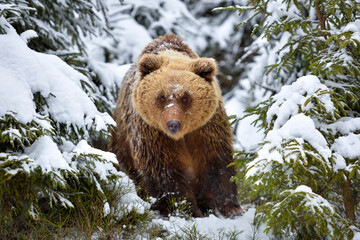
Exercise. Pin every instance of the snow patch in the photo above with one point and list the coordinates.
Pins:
(291, 97)
(303, 188)
(27, 35)
(353, 27)
(130, 200)
(347, 146)
(212, 226)
(344, 125)
(102, 168)
(312, 200)
(46, 155)
(303, 127)
(169, 105)
(106, 209)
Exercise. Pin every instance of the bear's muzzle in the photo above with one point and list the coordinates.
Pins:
(173, 121)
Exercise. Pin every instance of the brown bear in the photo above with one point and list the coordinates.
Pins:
(172, 135)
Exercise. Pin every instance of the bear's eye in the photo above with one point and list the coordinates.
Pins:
(186, 101)
(162, 99)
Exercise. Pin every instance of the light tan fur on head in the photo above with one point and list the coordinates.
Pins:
(174, 87)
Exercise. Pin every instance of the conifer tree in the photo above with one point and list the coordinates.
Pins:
(59, 24)
(48, 170)
(307, 168)
(63, 28)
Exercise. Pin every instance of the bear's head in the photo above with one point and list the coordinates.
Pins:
(175, 93)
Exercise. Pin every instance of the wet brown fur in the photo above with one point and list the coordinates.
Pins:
(193, 163)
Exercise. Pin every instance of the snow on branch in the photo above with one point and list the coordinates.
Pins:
(26, 72)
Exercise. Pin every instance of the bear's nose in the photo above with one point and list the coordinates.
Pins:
(173, 126)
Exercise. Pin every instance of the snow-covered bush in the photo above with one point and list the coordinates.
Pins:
(305, 172)
(57, 23)
(64, 28)
(47, 168)
(295, 163)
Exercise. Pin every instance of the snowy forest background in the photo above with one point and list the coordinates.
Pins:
(292, 65)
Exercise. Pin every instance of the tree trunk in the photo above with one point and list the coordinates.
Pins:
(320, 16)
(349, 200)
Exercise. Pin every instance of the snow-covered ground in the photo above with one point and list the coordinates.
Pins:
(215, 228)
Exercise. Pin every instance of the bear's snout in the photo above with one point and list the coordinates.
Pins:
(173, 126)
(173, 121)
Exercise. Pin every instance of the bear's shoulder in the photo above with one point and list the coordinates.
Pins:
(169, 42)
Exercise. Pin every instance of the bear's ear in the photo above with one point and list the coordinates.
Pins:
(205, 68)
(149, 63)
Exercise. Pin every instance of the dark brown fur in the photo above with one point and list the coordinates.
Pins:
(192, 167)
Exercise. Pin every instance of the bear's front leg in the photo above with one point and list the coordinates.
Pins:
(166, 185)
(217, 182)
(214, 154)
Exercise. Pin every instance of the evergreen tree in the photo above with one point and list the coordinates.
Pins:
(57, 23)
(306, 170)
(63, 28)
(49, 174)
